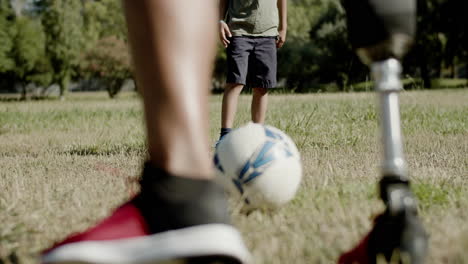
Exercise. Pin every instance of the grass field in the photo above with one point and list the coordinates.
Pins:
(67, 164)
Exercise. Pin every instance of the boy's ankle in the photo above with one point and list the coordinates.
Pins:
(224, 132)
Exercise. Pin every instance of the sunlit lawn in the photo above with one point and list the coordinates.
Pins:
(66, 164)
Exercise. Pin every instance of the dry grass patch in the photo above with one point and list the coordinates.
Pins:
(65, 165)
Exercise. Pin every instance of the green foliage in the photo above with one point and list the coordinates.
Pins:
(337, 60)
(24, 40)
(105, 55)
(325, 57)
(296, 58)
(296, 65)
(6, 37)
(42, 73)
(219, 71)
(302, 14)
(56, 41)
(63, 24)
(109, 61)
(32, 65)
(29, 45)
(441, 40)
(456, 31)
(103, 19)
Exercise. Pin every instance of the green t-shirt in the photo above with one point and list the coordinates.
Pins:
(253, 18)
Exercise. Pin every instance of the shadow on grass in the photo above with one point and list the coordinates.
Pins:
(107, 150)
(15, 99)
(12, 258)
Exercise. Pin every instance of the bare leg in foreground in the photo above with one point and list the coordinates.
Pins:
(180, 214)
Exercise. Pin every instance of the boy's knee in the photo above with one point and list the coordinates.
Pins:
(233, 87)
(260, 91)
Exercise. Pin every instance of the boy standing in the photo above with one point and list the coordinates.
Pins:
(252, 31)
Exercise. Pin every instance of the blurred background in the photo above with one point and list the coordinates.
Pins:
(51, 47)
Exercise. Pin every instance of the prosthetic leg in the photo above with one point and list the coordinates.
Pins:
(381, 31)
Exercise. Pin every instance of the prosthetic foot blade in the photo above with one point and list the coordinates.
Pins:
(398, 235)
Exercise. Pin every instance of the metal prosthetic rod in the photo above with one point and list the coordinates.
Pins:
(390, 27)
(386, 75)
(381, 31)
(394, 186)
(394, 189)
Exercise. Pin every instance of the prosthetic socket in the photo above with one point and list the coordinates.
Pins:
(380, 29)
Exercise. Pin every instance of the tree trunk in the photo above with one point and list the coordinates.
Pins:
(452, 68)
(438, 69)
(64, 82)
(425, 76)
(426, 79)
(24, 92)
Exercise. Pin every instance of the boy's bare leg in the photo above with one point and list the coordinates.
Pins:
(259, 105)
(229, 104)
(230, 101)
(173, 60)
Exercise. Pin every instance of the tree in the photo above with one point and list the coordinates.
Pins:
(109, 61)
(105, 56)
(330, 38)
(296, 59)
(219, 70)
(303, 14)
(441, 39)
(23, 50)
(63, 25)
(455, 28)
(317, 51)
(29, 50)
(328, 53)
(297, 65)
(427, 41)
(6, 37)
(103, 19)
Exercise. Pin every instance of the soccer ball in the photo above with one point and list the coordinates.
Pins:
(259, 163)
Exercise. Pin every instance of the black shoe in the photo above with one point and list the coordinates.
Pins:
(172, 219)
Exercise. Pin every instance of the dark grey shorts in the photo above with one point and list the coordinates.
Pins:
(252, 61)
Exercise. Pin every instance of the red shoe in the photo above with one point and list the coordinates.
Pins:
(397, 236)
(124, 237)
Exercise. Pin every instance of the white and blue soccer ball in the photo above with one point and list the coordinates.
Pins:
(260, 164)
